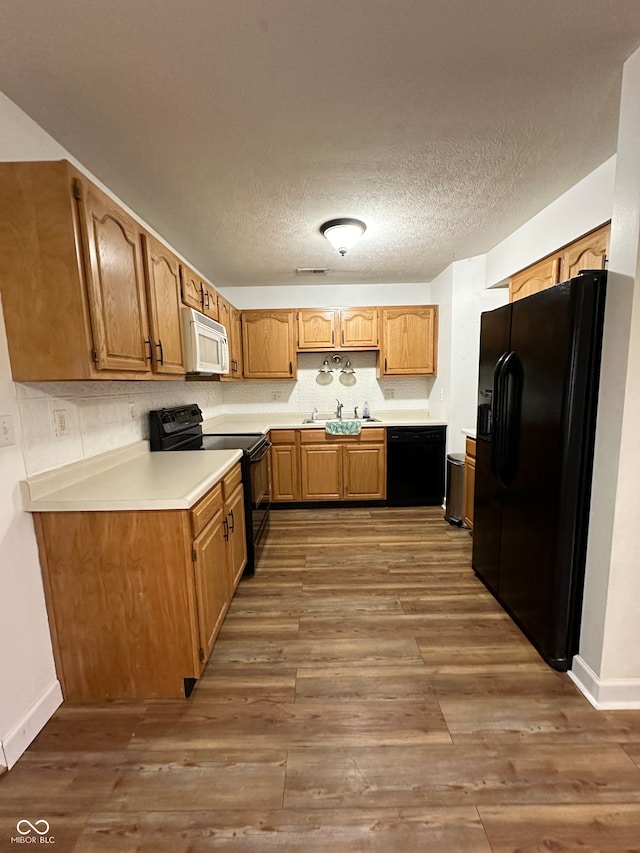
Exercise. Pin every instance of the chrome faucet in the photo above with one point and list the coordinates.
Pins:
(339, 409)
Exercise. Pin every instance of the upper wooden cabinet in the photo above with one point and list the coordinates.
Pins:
(230, 319)
(198, 294)
(409, 344)
(538, 277)
(587, 253)
(162, 271)
(115, 281)
(337, 328)
(81, 300)
(268, 344)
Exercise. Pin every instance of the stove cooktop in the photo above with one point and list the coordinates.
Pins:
(245, 441)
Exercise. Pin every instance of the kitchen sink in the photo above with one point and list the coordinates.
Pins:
(323, 421)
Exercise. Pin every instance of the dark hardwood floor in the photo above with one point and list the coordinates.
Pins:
(366, 693)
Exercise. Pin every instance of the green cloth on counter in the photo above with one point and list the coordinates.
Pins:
(343, 427)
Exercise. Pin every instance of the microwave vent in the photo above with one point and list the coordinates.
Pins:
(312, 270)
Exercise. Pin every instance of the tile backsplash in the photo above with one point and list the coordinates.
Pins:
(64, 422)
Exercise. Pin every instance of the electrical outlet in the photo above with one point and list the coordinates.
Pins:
(132, 411)
(442, 395)
(7, 434)
(60, 422)
(389, 394)
(276, 396)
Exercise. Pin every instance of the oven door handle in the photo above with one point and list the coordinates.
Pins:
(267, 447)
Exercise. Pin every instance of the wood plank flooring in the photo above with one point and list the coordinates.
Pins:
(366, 693)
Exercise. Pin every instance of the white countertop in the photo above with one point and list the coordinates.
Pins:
(294, 420)
(131, 478)
(470, 432)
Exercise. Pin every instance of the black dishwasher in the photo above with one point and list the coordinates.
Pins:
(416, 465)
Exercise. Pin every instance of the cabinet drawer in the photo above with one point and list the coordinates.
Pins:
(320, 436)
(206, 508)
(231, 480)
(471, 447)
(283, 436)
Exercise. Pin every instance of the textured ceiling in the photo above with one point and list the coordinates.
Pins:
(236, 127)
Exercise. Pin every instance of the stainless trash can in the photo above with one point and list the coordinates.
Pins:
(454, 506)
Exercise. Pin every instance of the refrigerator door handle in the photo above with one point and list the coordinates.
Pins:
(498, 418)
(511, 378)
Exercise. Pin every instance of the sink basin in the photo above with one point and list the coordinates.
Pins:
(323, 421)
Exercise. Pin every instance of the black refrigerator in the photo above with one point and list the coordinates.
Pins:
(537, 398)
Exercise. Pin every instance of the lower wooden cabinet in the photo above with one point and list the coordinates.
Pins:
(309, 465)
(285, 467)
(320, 469)
(469, 480)
(136, 598)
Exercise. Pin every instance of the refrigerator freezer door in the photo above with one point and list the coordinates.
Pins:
(541, 334)
(494, 346)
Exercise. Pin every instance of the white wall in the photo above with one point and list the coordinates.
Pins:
(442, 295)
(318, 295)
(608, 667)
(470, 299)
(29, 689)
(582, 208)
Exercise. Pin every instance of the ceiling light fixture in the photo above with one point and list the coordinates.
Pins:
(343, 233)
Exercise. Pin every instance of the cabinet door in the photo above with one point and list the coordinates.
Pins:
(212, 582)
(321, 467)
(236, 537)
(268, 345)
(535, 278)
(469, 489)
(359, 327)
(224, 317)
(409, 341)
(209, 301)
(364, 472)
(587, 253)
(285, 474)
(115, 282)
(163, 282)
(317, 328)
(235, 344)
(190, 288)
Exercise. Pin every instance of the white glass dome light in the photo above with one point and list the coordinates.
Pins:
(343, 233)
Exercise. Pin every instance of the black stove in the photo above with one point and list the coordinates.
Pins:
(230, 441)
(180, 428)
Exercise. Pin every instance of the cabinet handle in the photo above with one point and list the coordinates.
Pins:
(343, 336)
(206, 293)
(159, 346)
(333, 337)
(147, 343)
(233, 522)
(385, 365)
(290, 369)
(226, 528)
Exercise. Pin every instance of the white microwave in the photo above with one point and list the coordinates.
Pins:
(206, 346)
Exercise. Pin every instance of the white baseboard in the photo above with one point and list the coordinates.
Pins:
(26, 730)
(606, 695)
